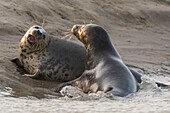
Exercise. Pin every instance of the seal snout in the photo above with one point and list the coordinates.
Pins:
(75, 30)
(35, 33)
(39, 32)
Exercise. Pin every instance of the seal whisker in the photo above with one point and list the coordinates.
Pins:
(70, 37)
(65, 37)
(84, 23)
(91, 21)
(42, 24)
(67, 32)
(68, 29)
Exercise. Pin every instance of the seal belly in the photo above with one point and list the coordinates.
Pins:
(65, 60)
(31, 63)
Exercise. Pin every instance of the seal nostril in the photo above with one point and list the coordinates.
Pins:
(39, 32)
(75, 28)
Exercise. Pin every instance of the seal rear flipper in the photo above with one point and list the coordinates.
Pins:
(19, 66)
(16, 61)
(162, 84)
(136, 75)
(139, 80)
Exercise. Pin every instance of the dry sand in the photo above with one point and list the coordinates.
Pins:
(140, 30)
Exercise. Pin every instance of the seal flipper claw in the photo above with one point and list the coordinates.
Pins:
(35, 76)
(139, 80)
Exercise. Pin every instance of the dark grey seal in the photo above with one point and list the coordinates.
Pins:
(105, 70)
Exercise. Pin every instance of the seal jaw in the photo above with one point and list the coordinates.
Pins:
(31, 39)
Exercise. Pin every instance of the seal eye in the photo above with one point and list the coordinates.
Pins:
(36, 27)
(31, 39)
(43, 36)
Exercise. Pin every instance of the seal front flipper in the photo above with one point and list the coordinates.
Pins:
(35, 76)
(81, 82)
(16, 61)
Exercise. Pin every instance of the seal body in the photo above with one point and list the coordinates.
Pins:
(105, 70)
(50, 58)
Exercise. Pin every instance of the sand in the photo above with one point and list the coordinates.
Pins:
(140, 30)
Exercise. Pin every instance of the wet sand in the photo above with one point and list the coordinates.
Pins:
(139, 30)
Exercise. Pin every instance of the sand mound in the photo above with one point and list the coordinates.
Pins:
(140, 31)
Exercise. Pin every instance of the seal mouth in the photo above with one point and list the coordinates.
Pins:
(76, 30)
(31, 39)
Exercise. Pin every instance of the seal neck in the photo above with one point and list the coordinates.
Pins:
(97, 51)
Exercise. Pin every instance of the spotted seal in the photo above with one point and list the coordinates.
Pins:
(105, 70)
(46, 57)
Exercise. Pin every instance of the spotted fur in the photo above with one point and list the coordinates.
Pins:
(44, 56)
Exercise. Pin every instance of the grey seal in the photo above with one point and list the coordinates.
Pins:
(46, 57)
(105, 70)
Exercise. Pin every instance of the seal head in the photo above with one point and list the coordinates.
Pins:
(95, 40)
(35, 39)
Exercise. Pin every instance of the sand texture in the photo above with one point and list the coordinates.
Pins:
(140, 30)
